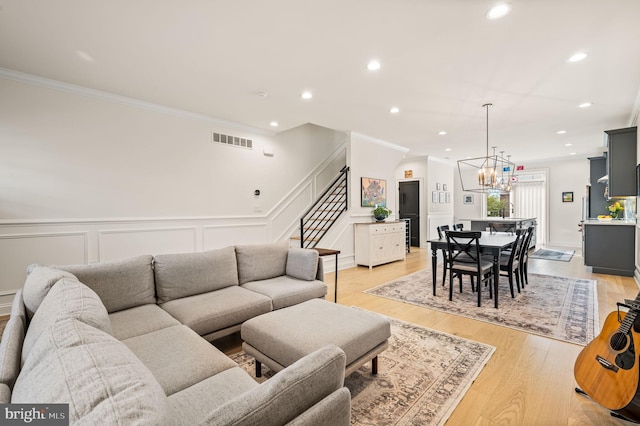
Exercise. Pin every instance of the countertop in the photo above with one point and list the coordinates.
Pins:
(613, 222)
(500, 219)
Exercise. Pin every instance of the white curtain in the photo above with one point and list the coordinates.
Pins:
(530, 200)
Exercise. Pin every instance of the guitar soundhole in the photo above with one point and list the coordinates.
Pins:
(618, 341)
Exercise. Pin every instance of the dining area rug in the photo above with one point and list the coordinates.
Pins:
(551, 254)
(422, 376)
(561, 308)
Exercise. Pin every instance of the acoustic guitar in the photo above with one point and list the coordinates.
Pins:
(607, 368)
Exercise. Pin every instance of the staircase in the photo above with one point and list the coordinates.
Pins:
(321, 216)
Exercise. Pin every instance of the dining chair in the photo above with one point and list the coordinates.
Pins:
(510, 261)
(458, 227)
(524, 256)
(501, 227)
(464, 258)
(441, 234)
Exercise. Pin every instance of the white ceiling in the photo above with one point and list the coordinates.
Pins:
(441, 60)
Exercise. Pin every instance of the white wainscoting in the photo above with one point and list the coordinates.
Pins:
(102, 240)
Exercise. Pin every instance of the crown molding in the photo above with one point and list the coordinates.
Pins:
(136, 103)
(380, 142)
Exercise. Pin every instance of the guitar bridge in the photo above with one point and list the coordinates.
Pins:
(606, 364)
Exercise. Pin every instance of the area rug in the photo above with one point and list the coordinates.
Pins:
(550, 254)
(556, 307)
(422, 376)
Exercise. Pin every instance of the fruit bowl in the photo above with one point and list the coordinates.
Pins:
(605, 219)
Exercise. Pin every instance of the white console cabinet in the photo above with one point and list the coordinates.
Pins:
(378, 243)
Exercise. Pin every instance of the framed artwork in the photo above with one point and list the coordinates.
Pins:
(374, 192)
(567, 197)
(434, 196)
(437, 186)
(444, 186)
(447, 197)
(441, 197)
(467, 198)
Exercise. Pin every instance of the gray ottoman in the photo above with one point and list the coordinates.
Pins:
(280, 338)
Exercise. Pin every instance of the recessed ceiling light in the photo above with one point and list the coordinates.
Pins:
(585, 105)
(263, 94)
(306, 95)
(577, 57)
(274, 124)
(442, 133)
(373, 65)
(447, 149)
(498, 11)
(572, 153)
(568, 144)
(394, 110)
(561, 132)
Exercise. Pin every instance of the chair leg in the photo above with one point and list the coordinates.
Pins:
(450, 286)
(479, 290)
(460, 282)
(511, 285)
(517, 273)
(444, 269)
(473, 287)
(526, 273)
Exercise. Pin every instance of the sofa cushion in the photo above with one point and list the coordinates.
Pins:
(261, 261)
(186, 274)
(102, 381)
(178, 357)
(140, 320)
(10, 350)
(302, 263)
(17, 306)
(286, 291)
(121, 284)
(67, 298)
(39, 281)
(195, 402)
(216, 310)
(5, 394)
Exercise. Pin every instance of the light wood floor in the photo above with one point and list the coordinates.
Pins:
(529, 380)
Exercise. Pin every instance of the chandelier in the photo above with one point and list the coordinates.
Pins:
(493, 171)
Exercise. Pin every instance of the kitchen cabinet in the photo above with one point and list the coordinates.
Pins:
(378, 243)
(621, 161)
(609, 247)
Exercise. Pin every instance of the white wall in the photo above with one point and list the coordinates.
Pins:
(88, 177)
(565, 175)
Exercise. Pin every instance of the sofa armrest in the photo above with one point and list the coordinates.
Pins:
(286, 395)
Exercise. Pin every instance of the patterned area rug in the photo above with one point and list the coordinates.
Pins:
(549, 254)
(422, 376)
(557, 307)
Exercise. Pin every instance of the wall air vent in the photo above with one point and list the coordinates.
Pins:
(232, 141)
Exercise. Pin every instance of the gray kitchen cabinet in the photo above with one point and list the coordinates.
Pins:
(621, 161)
(609, 247)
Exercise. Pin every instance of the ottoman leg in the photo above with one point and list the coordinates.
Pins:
(258, 369)
(374, 365)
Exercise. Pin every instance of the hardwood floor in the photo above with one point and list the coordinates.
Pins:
(529, 380)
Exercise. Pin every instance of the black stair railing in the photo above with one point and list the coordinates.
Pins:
(319, 218)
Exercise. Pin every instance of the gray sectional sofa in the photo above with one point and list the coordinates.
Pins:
(129, 342)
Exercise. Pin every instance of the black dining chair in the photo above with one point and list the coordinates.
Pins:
(524, 256)
(510, 261)
(458, 227)
(501, 227)
(441, 234)
(464, 258)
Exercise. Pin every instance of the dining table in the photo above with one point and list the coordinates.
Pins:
(490, 243)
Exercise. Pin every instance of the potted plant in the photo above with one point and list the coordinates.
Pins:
(381, 213)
